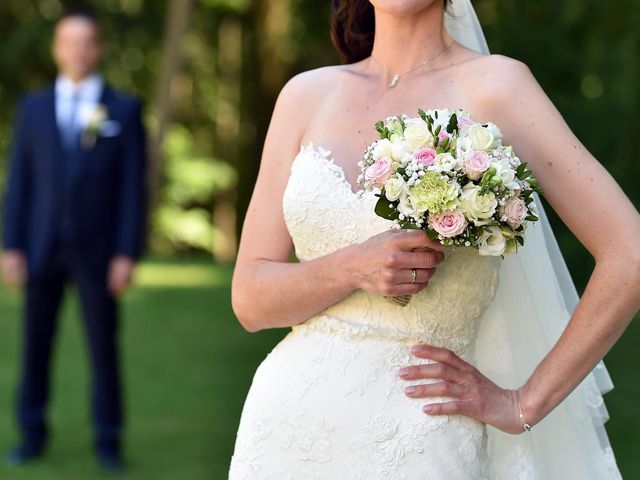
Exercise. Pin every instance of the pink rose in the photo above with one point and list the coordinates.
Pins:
(379, 172)
(515, 210)
(448, 224)
(425, 156)
(476, 162)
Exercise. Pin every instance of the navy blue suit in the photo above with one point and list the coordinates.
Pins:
(71, 211)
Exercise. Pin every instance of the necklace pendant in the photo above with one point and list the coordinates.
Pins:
(394, 81)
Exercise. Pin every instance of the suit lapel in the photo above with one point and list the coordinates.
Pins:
(51, 121)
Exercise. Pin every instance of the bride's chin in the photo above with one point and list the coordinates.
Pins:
(404, 7)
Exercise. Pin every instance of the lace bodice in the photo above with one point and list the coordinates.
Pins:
(324, 214)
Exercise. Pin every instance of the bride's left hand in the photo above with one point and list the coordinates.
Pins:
(475, 395)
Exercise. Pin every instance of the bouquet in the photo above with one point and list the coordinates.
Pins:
(451, 176)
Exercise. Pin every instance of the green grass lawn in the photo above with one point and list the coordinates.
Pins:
(188, 366)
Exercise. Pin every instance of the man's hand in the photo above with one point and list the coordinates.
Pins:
(14, 269)
(120, 274)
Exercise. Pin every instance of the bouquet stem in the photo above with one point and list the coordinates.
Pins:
(402, 300)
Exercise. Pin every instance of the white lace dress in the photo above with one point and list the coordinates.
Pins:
(327, 403)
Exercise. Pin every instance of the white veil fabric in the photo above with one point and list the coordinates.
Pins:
(533, 303)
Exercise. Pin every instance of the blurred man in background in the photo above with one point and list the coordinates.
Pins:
(74, 210)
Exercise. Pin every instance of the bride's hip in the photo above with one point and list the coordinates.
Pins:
(345, 378)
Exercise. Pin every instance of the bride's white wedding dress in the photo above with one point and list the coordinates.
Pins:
(327, 403)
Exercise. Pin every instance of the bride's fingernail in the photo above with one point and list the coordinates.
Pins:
(427, 409)
(411, 389)
(404, 371)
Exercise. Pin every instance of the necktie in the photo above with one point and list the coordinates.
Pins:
(71, 130)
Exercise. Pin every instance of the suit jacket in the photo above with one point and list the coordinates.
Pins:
(100, 192)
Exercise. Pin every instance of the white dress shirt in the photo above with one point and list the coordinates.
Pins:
(89, 92)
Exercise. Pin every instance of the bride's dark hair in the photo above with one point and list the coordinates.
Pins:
(353, 27)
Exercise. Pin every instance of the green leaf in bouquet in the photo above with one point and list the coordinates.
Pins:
(531, 218)
(380, 128)
(445, 143)
(432, 234)
(409, 225)
(435, 114)
(519, 239)
(438, 128)
(423, 115)
(453, 123)
(383, 209)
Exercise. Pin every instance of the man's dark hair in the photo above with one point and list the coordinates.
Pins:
(86, 13)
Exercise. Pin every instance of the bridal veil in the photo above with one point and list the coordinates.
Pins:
(533, 304)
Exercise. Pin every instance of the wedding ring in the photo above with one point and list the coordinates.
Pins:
(413, 275)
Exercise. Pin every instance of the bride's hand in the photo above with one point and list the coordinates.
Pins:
(382, 264)
(475, 395)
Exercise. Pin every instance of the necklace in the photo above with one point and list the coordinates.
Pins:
(396, 76)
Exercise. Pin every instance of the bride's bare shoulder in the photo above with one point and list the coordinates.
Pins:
(305, 92)
(495, 77)
(317, 80)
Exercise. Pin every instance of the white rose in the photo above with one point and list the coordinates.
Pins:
(382, 148)
(507, 173)
(394, 188)
(417, 134)
(492, 243)
(399, 149)
(445, 162)
(407, 206)
(481, 137)
(478, 208)
(463, 146)
(497, 134)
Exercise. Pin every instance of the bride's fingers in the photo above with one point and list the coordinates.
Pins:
(441, 371)
(423, 275)
(438, 389)
(454, 407)
(444, 355)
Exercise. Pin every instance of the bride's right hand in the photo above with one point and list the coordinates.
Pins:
(382, 264)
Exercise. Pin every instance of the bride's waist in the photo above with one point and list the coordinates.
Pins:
(352, 328)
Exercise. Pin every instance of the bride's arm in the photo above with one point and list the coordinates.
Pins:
(267, 290)
(596, 210)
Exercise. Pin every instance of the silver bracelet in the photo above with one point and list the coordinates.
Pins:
(525, 425)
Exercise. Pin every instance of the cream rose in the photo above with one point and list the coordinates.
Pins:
(394, 188)
(418, 135)
(407, 205)
(382, 148)
(445, 162)
(477, 208)
(481, 137)
(399, 149)
(492, 242)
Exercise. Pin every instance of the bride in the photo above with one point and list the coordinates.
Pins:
(494, 369)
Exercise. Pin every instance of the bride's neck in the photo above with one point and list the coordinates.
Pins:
(401, 42)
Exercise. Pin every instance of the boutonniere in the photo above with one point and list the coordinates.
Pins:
(98, 124)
